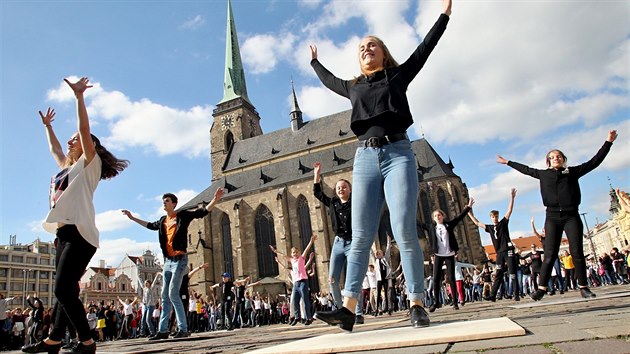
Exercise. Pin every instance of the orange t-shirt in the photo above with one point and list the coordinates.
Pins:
(170, 224)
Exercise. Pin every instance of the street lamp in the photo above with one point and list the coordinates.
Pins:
(590, 239)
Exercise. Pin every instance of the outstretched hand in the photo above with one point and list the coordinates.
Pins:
(612, 136)
(49, 117)
(80, 86)
(313, 51)
(447, 5)
(471, 202)
(501, 160)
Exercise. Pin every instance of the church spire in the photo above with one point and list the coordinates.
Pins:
(234, 80)
(296, 114)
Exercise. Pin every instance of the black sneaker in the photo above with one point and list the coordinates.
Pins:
(159, 335)
(586, 293)
(294, 322)
(182, 334)
(308, 322)
(434, 307)
(419, 317)
(41, 347)
(537, 295)
(517, 297)
(82, 348)
(359, 320)
(343, 317)
(455, 306)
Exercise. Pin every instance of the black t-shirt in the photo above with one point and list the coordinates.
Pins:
(226, 291)
(500, 235)
(240, 293)
(536, 261)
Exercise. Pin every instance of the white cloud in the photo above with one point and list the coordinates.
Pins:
(143, 123)
(262, 52)
(193, 23)
(113, 251)
(113, 220)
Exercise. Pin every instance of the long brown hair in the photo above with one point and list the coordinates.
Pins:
(112, 166)
(388, 59)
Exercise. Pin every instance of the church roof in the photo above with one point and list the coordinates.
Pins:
(283, 157)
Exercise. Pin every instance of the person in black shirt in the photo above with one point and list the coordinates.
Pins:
(227, 299)
(500, 236)
(384, 167)
(560, 190)
(240, 288)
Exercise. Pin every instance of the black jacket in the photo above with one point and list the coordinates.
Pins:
(450, 227)
(560, 189)
(183, 219)
(383, 93)
(340, 213)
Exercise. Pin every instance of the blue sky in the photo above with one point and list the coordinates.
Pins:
(515, 78)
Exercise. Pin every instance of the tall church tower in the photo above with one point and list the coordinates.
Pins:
(235, 118)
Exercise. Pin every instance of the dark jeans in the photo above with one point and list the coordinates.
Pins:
(437, 276)
(504, 259)
(73, 256)
(555, 223)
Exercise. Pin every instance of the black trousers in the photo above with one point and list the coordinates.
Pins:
(555, 223)
(437, 276)
(382, 285)
(73, 256)
(505, 259)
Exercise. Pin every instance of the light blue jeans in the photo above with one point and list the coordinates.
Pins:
(173, 274)
(147, 320)
(338, 257)
(385, 174)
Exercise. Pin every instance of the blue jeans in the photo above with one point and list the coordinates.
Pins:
(173, 274)
(385, 174)
(338, 256)
(147, 320)
(301, 290)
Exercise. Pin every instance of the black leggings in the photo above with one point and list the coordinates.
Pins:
(555, 223)
(437, 276)
(73, 256)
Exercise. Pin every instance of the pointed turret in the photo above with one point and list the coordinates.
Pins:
(296, 114)
(234, 81)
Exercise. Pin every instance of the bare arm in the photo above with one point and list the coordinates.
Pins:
(79, 87)
(447, 4)
(278, 253)
(536, 232)
(316, 172)
(195, 270)
(53, 143)
(508, 213)
(310, 244)
(474, 219)
(218, 194)
(133, 218)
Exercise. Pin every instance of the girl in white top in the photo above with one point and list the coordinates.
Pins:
(72, 219)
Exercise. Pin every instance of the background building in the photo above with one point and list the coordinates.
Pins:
(27, 269)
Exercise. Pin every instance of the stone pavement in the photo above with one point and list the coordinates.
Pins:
(557, 324)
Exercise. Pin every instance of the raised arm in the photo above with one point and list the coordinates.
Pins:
(310, 244)
(79, 87)
(472, 215)
(133, 218)
(318, 191)
(447, 4)
(195, 270)
(218, 194)
(278, 253)
(599, 157)
(53, 143)
(536, 232)
(508, 213)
